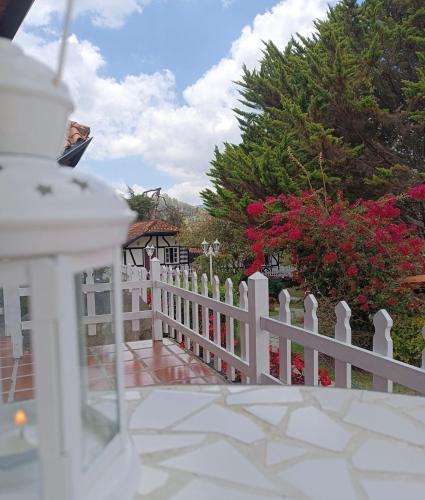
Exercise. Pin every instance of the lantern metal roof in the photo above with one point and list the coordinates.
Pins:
(12, 14)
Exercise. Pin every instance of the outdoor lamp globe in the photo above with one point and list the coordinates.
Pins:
(62, 433)
(150, 250)
(205, 246)
(216, 246)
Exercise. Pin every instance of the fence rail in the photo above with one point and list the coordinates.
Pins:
(208, 322)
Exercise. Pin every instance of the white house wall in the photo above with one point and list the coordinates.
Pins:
(135, 252)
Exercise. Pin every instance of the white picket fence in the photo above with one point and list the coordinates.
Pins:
(182, 306)
(134, 280)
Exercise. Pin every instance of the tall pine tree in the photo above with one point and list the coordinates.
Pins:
(354, 92)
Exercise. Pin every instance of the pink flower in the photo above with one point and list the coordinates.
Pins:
(417, 192)
(294, 234)
(255, 209)
(352, 271)
(330, 258)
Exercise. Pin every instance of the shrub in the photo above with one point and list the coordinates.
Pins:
(408, 342)
(358, 252)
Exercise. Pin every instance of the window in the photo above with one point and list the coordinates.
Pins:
(171, 255)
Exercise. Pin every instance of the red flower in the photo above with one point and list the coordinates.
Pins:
(352, 271)
(252, 234)
(330, 258)
(255, 209)
(417, 192)
(294, 234)
(324, 378)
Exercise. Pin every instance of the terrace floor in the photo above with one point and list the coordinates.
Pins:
(145, 363)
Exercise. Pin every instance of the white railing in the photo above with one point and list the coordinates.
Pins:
(186, 309)
(134, 280)
(183, 307)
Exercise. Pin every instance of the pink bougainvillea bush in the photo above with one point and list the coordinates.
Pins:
(359, 252)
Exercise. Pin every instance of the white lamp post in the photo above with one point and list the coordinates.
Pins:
(66, 439)
(210, 251)
(150, 250)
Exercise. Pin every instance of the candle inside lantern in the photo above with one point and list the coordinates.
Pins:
(21, 421)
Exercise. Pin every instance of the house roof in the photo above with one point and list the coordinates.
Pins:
(150, 228)
(76, 143)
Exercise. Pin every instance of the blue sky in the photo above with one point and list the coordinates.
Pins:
(153, 78)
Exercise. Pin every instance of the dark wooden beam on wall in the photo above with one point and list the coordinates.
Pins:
(12, 14)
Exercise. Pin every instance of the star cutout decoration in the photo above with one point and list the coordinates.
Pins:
(83, 185)
(43, 189)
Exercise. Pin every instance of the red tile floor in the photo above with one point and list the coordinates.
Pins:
(145, 363)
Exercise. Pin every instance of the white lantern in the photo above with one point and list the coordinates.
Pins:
(62, 437)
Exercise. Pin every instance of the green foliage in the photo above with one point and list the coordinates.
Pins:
(408, 342)
(276, 285)
(234, 248)
(353, 92)
(141, 204)
(222, 267)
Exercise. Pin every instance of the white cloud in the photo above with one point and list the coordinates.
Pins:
(141, 114)
(103, 13)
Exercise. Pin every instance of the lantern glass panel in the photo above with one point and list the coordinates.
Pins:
(98, 361)
(19, 465)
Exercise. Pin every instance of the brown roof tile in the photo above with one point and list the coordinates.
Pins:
(76, 132)
(149, 227)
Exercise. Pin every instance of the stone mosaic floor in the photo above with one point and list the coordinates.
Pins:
(246, 443)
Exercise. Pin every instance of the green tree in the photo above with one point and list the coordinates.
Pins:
(141, 204)
(234, 248)
(354, 92)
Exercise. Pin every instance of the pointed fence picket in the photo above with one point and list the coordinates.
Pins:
(343, 334)
(91, 302)
(382, 344)
(285, 345)
(165, 309)
(311, 356)
(178, 284)
(195, 311)
(230, 328)
(423, 352)
(205, 317)
(243, 326)
(216, 321)
(186, 314)
(172, 307)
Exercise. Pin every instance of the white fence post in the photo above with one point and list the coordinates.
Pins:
(244, 327)
(230, 328)
(144, 291)
(12, 319)
(186, 308)
(156, 299)
(91, 302)
(423, 352)
(205, 316)
(165, 309)
(216, 321)
(195, 311)
(171, 302)
(285, 345)
(178, 305)
(258, 306)
(343, 334)
(311, 357)
(135, 298)
(382, 344)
